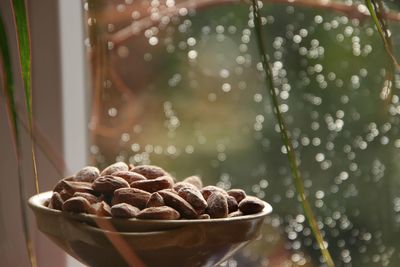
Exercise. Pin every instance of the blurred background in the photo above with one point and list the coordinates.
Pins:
(179, 84)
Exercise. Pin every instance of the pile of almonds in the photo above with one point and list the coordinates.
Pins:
(147, 192)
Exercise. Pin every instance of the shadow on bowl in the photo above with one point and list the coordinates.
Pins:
(104, 242)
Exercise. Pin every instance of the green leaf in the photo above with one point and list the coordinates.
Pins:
(8, 86)
(24, 48)
(298, 181)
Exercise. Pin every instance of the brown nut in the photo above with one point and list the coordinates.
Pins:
(194, 180)
(232, 204)
(238, 194)
(159, 213)
(150, 171)
(73, 187)
(78, 205)
(87, 174)
(132, 196)
(56, 201)
(235, 214)
(180, 185)
(102, 209)
(175, 201)
(208, 190)
(129, 176)
(119, 166)
(251, 205)
(124, 210)
(108, 184)
(217, 205)
(61, 184)
(155, 200)
(65, 194)
(91, 198)
(194, 198)
(153, 185)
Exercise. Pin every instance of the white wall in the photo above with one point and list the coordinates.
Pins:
(73, 88)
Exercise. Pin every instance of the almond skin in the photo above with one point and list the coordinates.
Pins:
(153, 185)
(155, 200)
(217, 205)
(150, 171)
(251, 205)
(119, 166)
(232, 204)
(180, 185)
(56, 201)
(108, 184)
(173, 200)
(132, 196)
(194, 198)
(124, 210)
(238, 194)
(129, 176)
(78, 205)
(194, 180)
(91, 198)
(159, 213)
(208, 190)
(87, 174)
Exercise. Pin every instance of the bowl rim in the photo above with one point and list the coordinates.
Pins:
(36, 203)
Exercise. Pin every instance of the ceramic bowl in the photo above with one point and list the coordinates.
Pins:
(104, 242)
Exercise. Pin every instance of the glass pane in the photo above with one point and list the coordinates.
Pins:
(179, 84)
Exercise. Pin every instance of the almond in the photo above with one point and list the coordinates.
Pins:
(232, 204)
(150, 171)
(78, 205)
(56, 201)
(153, 185)
(251, 205)
(73, 186)
(129, 176)
(208, 190)
(159, 213)
(194, 198)
(217, 205)
(124, 210)
(87, 174)
(155, 200)
(91, 198)
(180, 185)
(238, 194)
(119, 166)
(132, 196)
(108, 184)
(194, 180)
(173, 200)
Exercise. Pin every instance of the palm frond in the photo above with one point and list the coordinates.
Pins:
(8, 86)
(24, 50)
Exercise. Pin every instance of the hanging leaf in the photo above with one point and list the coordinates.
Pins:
(298, 181)
(8, 86)
(24, 50)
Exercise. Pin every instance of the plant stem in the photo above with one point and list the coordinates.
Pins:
(118, 38)
(298, 181)
(380, 24)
